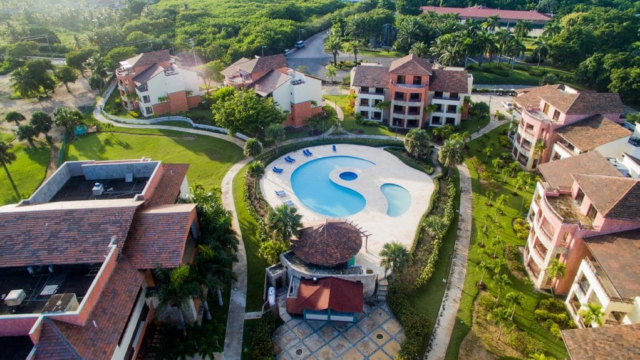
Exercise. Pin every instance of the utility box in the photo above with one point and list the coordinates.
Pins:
(15, 297)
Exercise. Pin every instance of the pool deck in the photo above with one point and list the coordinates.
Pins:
(373, 219)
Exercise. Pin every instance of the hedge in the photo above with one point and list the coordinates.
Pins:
(416, 326)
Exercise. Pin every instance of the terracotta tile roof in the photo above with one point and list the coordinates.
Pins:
(614, 197)
(168, 188)
(449, 81)
(149, 58)
(330, 293)
(571, 102)
(478, 12)
(63, 232)
(607, 342)
(110, 316)
(148, 74)
(159, 235)
(328, 243)
(592, 132)
(618, 255)
(411, 65)
(256, 65)
(371, 76)
(558, 173)
(233, 68)
(271, 81)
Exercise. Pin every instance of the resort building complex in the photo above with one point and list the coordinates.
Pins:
(585, 214)
(76, 258)
(415, 93)
(558, 121)
(297, 94)
(480, 13)
(155, 84)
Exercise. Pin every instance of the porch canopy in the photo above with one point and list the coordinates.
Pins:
(337, 295)
(329, 243)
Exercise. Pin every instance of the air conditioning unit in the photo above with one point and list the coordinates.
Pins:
(15, 297)
(98, 189)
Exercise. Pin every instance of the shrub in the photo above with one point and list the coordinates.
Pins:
(487, 302)
(511, 252)
(555, 331)
(135, 114)
(521, 227)
(551, 305)
(348, 110)
(261, 347)
(416, 326)
(523, 343)
(505, 142)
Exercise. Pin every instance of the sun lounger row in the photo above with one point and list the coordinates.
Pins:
(289, 159)
(281, 193)
(306, 152)
(277, 170)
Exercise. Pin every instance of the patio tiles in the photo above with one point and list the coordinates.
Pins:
(315, 325)
(367, 325)
(314, 342)
(392, 348)
(302, 330)
(299, 352)
(379, 315)
(380, 355)
(293, 323)
(354, 334)
(379, 336)
(328, 332)
(342, 326)
(340, 344)
(326, 353)
(401, 336)
(392, 327)
(287, 340)
(352, 354)
(367, 346)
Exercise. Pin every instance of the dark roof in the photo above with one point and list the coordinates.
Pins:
(449, 81)
(168, 188)
(482, 12)
(618, 255)
(613, 196)
(268, 83)
(256, 65)
(371, 76)
(147, 74)
(63, 232)
(558, 173)
(159, 235)
(329, 243)
(594, 131)
(571, 102)
(99, 337)
(605, 342)
(411, 65)
(149, 58)
(330, 293)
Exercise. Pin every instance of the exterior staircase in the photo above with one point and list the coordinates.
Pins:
(383, 286)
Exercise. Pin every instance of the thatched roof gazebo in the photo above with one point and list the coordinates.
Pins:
(330, 243)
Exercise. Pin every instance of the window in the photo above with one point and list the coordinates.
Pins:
(379, 91)
(438, 94)
(436, 120)
(545, 108)
(417, 80)
(148, 110)
(364, 102)
(399, 96)
(400, 79)
(451, 121)
(579, 197)
(146, 99)
(452, 109)
(377, 115)
(414, 97)
(376, 102)
(398, 109)
(414, 110)
(364, 89)
(365, 114)
(453, 95)
(591, 214)
(556, 115)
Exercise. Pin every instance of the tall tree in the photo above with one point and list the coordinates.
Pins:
(66, 74)
(451, 153)
(244, 111)
(211, 71)
(68, 118)
(354, 46)
(96, 82)
(514, 300)
(275, 133)
(522, 29)
(26, 132)
(14, 116)
(502, 281)
(333, 45)
(6, 158)
(491, 23)
(500, 316)
(556, 269)
(24, 84)
(252, 148)
(420, 49)
(284, 221)
(417, 143)
(540, 45)
(395, 257)
(41, 122)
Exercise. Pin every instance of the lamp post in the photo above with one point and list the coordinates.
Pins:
(263, 47)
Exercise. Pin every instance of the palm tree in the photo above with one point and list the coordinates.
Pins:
(591, 314)
(176, 287)
(500, 201)
(513, 167)
(23, 83)
(541, 44)
(26, 132)
(556, 269)
(551, 29)
(513, 49)
(514, 300)
(331, 72)
(490, 193)
(485, 267)
(14, 116)
(435, 226)
(500, 316)
(256, 170)
(505, 172)
(420, 49)
(383, 106)
(491, 23)
(212, 271)
(395, 257)
(539, 148)
(451, 153)
(502, 281)
(485, 45)
(522, 28)
(497, 243)
(354, 47)
(333, 45)
(6, 158)
(284, 221)
(502, 38)
(417, 143)
(408, 31)
(67, 118)
(497, 164)
(276, 133)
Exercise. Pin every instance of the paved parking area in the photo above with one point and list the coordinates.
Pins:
(376, 336)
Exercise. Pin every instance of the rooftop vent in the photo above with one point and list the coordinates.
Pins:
(15, 297)
(98, 189)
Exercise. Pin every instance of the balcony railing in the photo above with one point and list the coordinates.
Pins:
(605, 283)
(415, 100)
(399, 112)
(455, 98)
(408, 86)
(634, 141)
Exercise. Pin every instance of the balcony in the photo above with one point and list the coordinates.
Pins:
(124, 72)
(634, 141)
(567, 210)
(452, 98)
(526, 146)
(414, 100)
(605, 282)
(408, 86)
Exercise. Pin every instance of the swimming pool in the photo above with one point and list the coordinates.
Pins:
(314, 188)
(398, 199)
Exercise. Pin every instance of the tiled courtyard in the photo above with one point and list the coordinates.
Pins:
(377, 335)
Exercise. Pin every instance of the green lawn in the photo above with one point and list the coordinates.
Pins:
(249, 229)
(199, 113)
(292, 133)
(27, 171)
(349, 122)
(7, 136)
(380, 53)
(472, 125)
(499, 74)
(114, 106)
(515, 207)
(210, 158)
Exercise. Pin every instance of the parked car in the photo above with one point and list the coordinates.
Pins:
(508, 105)
(287, 52)
(300, 44)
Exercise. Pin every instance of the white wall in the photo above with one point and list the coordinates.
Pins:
(613, 149)
(131, 329)
(315, 90)
(282, 97)
(634, 169)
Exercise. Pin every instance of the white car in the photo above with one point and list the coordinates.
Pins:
(508, 105)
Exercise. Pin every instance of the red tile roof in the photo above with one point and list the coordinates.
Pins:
(594, 131)
(256, 65)
(168, 188)
(268, 83)
(558, 173)
(63, 232)
(479, 12)
(411, 65)
(606, 342)
(99, 337)
(613, 196)
(330, 293)
(371, 76)
(149, 58)
(328, 243)
(158, 236)
(571, 102)
(449, 81)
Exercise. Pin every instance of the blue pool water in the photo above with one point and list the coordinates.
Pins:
(314, 189)
(398, 198)
(348, 176)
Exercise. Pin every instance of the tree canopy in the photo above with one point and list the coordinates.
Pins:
(245, 112)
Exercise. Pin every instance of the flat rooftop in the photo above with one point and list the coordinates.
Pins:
(40, 286)
(568, 210)
(78, 188)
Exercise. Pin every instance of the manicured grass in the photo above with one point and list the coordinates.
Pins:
(514, 207)
(114, 106)
(349, 122)
(472, 125)
(499, 74)
(7, 136)
(380, 53)
(181, 124)
(27, 171)
(249, 228)
(209, 158)
(249, 328)
(427, 299)
(205, 114)
(292, 133)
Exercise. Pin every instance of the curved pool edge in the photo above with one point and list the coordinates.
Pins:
(399, 199)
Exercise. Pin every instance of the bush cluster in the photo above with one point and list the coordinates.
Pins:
(415, 324)
(551, 314)
(261, 347)
(521, 227)
(523, 342)
(135, 114)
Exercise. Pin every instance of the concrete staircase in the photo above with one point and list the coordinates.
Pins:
(383, 286)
